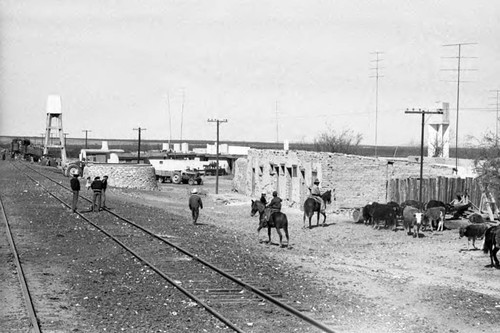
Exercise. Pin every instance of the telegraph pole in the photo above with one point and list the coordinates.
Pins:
(86, 134)
(376, 76)
(169, 120)
(182, 113)
(139, 129)
(423, 113)
(218, 121)
(458, 70)
(277, 128)
(496, 119)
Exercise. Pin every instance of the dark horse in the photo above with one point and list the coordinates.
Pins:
(277, 220)
(311, 206)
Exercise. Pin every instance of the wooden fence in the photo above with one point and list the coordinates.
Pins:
(440, 188)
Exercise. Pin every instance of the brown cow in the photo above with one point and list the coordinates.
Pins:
(435, 214)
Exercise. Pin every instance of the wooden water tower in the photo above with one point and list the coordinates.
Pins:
(54, 135)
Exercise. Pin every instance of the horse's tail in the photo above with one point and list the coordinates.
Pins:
(488, 239)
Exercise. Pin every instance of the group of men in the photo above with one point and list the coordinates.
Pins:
(98, 187)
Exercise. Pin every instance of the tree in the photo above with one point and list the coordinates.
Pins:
(487, 164)
(346, 142)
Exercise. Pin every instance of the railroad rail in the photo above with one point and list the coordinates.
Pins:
(207, 285)
(33, 319)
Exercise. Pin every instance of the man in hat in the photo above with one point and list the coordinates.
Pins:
(274, 206)
(75, 187)
(263, 198)
(195, 204)
(96, 186)
(316, 194)
(104, 187)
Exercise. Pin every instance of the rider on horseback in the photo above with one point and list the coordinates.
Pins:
(274, 206)
(316, 194)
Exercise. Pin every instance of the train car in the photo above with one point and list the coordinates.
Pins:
(22, 148)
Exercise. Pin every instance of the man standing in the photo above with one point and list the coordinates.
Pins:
(263, 198)
(104, 187)
(195, 204)
(96, 186)
(75, 187)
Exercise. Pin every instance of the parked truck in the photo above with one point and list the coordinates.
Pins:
(178, 171)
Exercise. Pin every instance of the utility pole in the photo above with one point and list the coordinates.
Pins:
(86, 134)
(139, 129)
(496, 118)
(182, 113)
(277, 128)
(458, 70)
(169, 120)
(376, 76)
(423, 113)
(218, 121)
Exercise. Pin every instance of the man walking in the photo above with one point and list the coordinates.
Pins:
(195, 204)
(75, 187)
(96, 186)
(104, 187)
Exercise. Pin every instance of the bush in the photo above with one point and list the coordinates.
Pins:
(346, 142)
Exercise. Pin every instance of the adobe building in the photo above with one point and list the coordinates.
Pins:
(357, 180)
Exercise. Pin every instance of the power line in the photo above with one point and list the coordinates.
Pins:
(423, 113)
(218, 121)
(497, 91)
(86, 134)
(376, 76)
(139, 129)
(458, 70)
(277, 127)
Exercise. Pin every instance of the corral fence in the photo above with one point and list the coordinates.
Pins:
(441, 188)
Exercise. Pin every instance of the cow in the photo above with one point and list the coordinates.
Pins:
(366, 213)
(492, 244)
(473, 231)
(476, 218)
(436, 203)
(412, 217)
(435, 214)
(412, 203)
(399, 211)
(383, 212)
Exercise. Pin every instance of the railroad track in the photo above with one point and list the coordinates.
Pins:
(222, 292)
(23, 285)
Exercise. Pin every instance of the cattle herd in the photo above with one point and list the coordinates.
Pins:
(415, 217)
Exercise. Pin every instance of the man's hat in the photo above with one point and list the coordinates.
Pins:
(316, 181)
(275, 193)
(194, 191)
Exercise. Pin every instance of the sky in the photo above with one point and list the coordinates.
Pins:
(276, 70)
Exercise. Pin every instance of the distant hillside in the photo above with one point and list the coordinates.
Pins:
(73, 146)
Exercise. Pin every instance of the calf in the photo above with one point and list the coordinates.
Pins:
(492, 244)
(476, 218)
(435, 214)
(366, 213)
(381, 212)
(412, 217)
(412, 203)
(473, 231)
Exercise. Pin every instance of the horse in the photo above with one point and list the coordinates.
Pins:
(277, 220)
(311, 205)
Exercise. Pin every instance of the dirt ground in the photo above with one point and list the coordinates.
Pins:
(427, 284)
(352, 277)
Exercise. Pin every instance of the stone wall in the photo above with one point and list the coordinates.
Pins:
(138, 176)
(356, 179)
